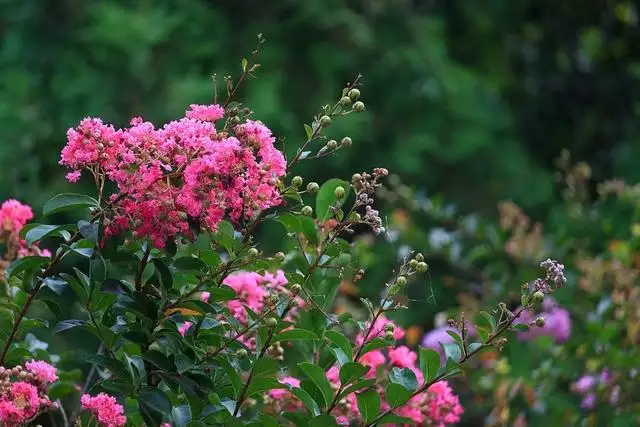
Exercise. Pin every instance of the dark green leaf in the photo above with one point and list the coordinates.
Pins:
(260, 385)
(89, 230)
(67, 201)
(341, 341)
(374, 344)
(490, 320)
(351, 371)
(232, 374)
(317, 375)
(295, 334)
(429, 363)
(368, 404)
(326, 198)
(520, 327)
(306, 399)
(65, 325)
(323, 421)
(190, 264)
(395, 420)
(452, 351)
(396, 395)
(181, 415)
(40, 232)
(24, 264)
(158, 359)
(155, 399)
(60, 389)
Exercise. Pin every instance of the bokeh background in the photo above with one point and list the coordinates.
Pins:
(468, 104)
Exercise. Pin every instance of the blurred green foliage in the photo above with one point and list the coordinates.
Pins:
(470, 100)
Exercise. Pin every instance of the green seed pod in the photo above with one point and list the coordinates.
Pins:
(307, 210)
(346, 142)
(297, 181)
(332, 144)
(422, 267)
(271, 322)
(358, 107)
(540, 322)
(313, 187)
(325, 121)
(339, 192)
(345, 100)
(252, 252)
(401, 280)
(354, 94)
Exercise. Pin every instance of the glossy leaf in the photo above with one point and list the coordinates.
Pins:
(67, 201)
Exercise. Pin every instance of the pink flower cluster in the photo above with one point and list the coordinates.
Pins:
(105, 408)
(438, 406)
(23, 394)
(253, 291)
(13, 216)
(184, 170)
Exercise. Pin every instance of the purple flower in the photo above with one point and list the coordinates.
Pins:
(435, 337)
(584, 384)
(557, 323)
(589, 401)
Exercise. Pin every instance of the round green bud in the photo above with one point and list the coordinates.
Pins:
(422, 267)
(297, 181)
(182, 215)
(401, 280)
(332, 144)
(540, 322)
(307, 210)
(356, 177)
(339, 192)
(388, 335)
(538, 296)
(271, 322)
(346, 142)
(296, 289)
(354, 94)
(313, 187)
(358, 107)
(279, 256)
(242, 353)
(389, 327)
(419, 257)
(325, 121)
(413, 263)
(345, 100)
(252, 252)
(355, 216)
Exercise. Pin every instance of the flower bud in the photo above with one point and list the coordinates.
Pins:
(355, 216)
(332, 144)
(313, 187)
(345, 100)
(279, 256)
(401, 280)
(307, 210)
(540, 322)
(346, 142)
(388, 335)
(182, 215)
(325, 121)
(354, 94)
(296, 289)
(422, 267)
(419, 257)
(252, 252)
(242, 353)
(389, 327)
(356, 177)
(339, 192)
(271, 322)
(413, 263)
(538, 296)
(297, 181)
(358, 107)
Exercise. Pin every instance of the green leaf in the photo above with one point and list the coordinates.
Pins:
(60, 389)
(260, 385)
(374, 344)
(489, 319)
(429, 363)
(452, 351)
(308, 131)
(405, 377)
(357, 386)
(341, 341)
(369, 404)
(25, 263)
(155, 399)
(232, 374)
(295, 334)
(351, 371)
(306, 399)
(317, 375)
(158, 359)
(89, 230)
(323, 421)
(68, 201)
(41, 231)
(396, 395)
(65, 325)
(326, 198)
(181, 415)
(78, 288)
(520, 327)
(163, 274)
(190, 264)
(395, 420)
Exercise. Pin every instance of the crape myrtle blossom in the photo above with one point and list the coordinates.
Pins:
(557, 323)
(105, 408)
(186, 171)
(437, 406)
(588, 385)
(23, 392)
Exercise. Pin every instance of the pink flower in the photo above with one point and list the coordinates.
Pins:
(14, 215)
(24, 397)
(403, 357)
(373, 359)
(209, 113)
(105, 408)
(182, 330)
(204, 296)
(378, 330)
(585, 384)
(279, 394)
(43, 371)
(443, 406)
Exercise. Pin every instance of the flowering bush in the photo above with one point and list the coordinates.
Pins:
(196, 322)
